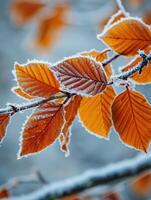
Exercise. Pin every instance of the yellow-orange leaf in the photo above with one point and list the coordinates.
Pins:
(36, 79)
(21, 93)
(95, 112)
(4, 193)
(127, 37)
(99, 57)
(70, 113)
(4, 120)
(116, 17)
(141, 184)
(131, 115)
(50, 27)
(42, 128)
(81, 75)
(145, 76)
(22, 11)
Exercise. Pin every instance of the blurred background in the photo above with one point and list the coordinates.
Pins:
(19, 42)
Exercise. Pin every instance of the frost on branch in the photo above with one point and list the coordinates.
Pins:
(81, 75)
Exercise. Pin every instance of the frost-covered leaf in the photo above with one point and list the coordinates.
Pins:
(36, 79)
(131, 115)
(95, 112)
(99, 56)
(70, 113)
(4, 121)
(21, 93)
(127, 36)
(81, 75)
(116, 17)
(42, 128)
(111, 195)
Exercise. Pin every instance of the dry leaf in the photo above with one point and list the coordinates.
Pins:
(70, 113)
(36, 79)
(127, 36)
(99, 56)
(4, 121)
(42, 128)
(95, 112)
(4, 193)
(116, 17)
(50, 27)
(141, 184)
(132, 119)
(23, 11)
(21, 93)
(81, 75)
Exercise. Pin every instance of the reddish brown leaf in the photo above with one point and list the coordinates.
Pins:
(4, 120)
(4, 193)
(70, 113)
(42, 128)
(81, 75)
(22, 11)
(131, 114)
(21, 93)
(141, 184)
(50, 27)
(127, 37)
(36, 79)
(95, 112)
(99, 57)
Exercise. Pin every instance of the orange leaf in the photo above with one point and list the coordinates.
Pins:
(127, 37)
(36, 79)
(132, 119)
(4, 120)
(99, 57)
(4, 193)
(21, 93)
(95, 112)
(23, 11)
(81, 75)
(141, 184)
(50, 27)
(42, 128)
(70, 113)
(116, 17)
(145, 76)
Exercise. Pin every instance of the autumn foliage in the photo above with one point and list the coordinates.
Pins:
(82, 85)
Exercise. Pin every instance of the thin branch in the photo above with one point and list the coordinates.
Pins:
(14, 109)
(113, 173)
(138, 68)
(30, 178)
(111, 59)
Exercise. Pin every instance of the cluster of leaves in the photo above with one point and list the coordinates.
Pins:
(50, 22)
(82, 81)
